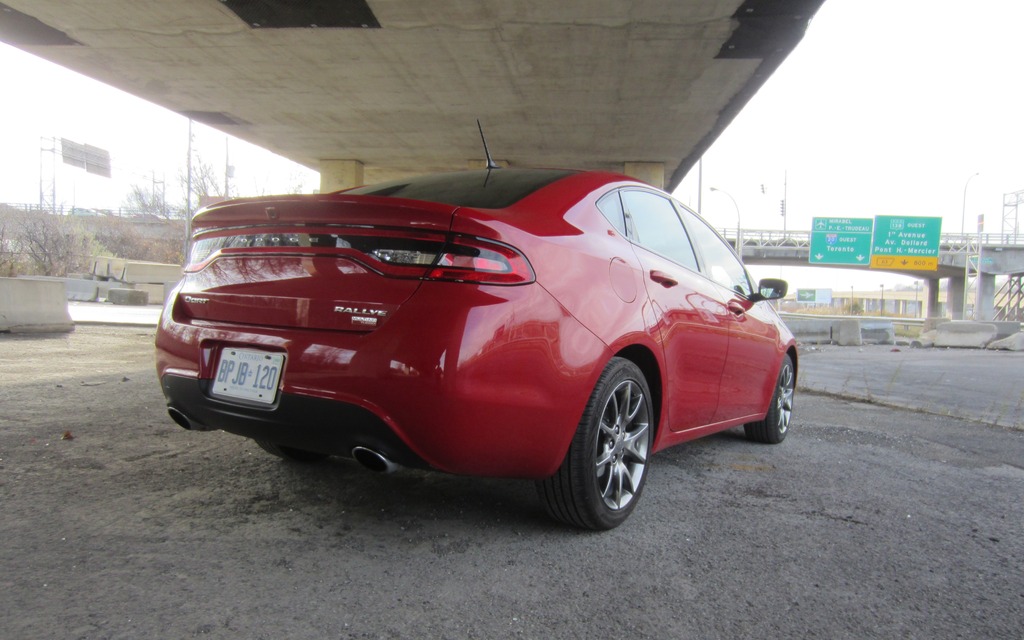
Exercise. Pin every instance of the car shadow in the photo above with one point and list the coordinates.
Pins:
(410, 497)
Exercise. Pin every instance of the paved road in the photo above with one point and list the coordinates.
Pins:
(976, 384)
(104, 313)
(867, 522)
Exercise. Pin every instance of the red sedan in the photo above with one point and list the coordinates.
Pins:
(554, 325)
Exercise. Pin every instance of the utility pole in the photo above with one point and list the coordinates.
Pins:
(228, 169)
(785, 196)
(188, 195)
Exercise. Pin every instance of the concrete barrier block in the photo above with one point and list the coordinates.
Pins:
(924, 341)
(877, 332)
(81, 290)
(103, 289)
(1011, 343)
(849, 333)
(74, 288)
(33, 306)
(132, 297)
(117, 267)
(150, 273)
(969, 335)
(100, 266)
(811, 330)
(155, 292)
(1004, 329)
(930, 324)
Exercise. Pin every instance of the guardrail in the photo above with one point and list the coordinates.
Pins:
(905, 323)
(65, 210)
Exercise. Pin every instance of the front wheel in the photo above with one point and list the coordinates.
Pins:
(600, 480)
(775, 426)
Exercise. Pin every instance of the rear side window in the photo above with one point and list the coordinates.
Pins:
(611, 207)
(657, 227)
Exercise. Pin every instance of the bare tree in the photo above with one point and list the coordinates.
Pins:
(56, 245)
(148, 200)
(206, 183)
(12, 259)
(123, 239)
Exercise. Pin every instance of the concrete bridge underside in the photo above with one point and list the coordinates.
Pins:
(370, 90)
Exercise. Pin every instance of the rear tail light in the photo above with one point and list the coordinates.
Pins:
(473, 260)
(394, 253)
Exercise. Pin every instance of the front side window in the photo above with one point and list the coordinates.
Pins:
(656, 226)
(720, 262)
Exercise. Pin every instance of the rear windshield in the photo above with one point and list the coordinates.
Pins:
(495, 189)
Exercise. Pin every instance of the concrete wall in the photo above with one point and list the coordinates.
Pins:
(33, 306)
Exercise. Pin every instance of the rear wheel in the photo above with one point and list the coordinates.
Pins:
(775, 426)
(290, 453)
(600, 480)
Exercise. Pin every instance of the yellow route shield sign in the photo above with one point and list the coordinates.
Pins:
(904, 262)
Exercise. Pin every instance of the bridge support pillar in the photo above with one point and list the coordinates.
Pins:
(986, 298)
(653, 173)
(932, 302)
(340, 174)
(955, 297)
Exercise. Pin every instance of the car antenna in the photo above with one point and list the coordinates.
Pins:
(491, 164)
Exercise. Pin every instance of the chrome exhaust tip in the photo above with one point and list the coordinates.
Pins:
(179, 418)
(374, 460)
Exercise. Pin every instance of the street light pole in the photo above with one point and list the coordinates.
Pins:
(967, 249)
(963, 210)
(739, 227)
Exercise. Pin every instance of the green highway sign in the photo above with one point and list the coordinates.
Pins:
(903, 242)
(841, 241)
(816, 296)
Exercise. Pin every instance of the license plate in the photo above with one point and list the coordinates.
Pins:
(246, 374)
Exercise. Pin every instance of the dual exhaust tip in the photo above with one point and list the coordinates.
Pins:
(374, 460)
(370, 458)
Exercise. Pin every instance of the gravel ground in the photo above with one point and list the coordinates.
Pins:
(868, 522)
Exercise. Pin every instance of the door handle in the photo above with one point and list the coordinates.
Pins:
(663, 278)
(736, 308)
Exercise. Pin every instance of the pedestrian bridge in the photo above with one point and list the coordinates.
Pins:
(970, 262)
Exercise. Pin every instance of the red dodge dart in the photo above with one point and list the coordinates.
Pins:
(554, 325)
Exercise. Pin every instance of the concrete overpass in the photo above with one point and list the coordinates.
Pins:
(366, 90)
(970, 261)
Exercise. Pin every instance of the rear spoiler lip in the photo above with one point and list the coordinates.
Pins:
(329, 209)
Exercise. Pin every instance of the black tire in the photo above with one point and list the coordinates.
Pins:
(775, 426)
(604, 471)
(290, 453)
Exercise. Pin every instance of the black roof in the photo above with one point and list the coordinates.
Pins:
(483, 189)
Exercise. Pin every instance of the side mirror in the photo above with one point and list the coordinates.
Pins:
(770, 289)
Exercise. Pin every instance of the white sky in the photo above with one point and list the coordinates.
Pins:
(887, 107)
(146, 142)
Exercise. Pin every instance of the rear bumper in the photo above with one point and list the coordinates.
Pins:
(485, 381)
(310, 424)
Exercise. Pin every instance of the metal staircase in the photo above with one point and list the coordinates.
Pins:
(1009, 300)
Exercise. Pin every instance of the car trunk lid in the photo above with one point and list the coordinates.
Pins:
(310, 262)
